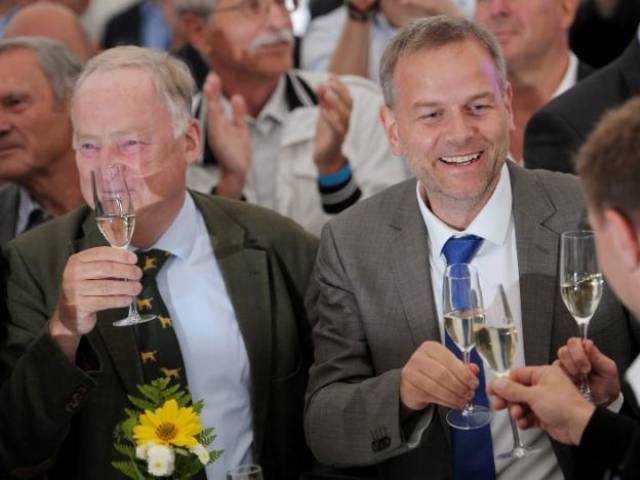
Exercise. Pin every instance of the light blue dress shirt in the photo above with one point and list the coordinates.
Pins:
(213, 350)
(156, 33)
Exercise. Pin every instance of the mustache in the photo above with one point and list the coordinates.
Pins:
(279, 36)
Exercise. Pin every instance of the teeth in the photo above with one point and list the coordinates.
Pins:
(461, 158)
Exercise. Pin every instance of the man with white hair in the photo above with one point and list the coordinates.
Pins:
(306, 145)
(229, 276)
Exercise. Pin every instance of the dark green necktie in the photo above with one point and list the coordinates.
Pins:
(157, 342)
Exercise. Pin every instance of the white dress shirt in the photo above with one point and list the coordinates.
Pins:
(213, 350)
(497, 263)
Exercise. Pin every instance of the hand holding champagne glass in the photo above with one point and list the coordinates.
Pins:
(497, 342)
(580, 282)
(116, 219)
(463, 313)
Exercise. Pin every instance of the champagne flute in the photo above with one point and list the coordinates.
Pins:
(463, 312)
(116, 219)
(497, 342)
(581, 283)
(245, 472)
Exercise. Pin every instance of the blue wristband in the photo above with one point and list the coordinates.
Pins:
(338, 178)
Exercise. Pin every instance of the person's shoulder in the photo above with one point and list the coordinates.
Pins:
(376, 211)
(52, 237)
(588, 98)
(262, 226)
(563, 190)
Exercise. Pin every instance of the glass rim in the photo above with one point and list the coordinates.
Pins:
(245, 469)
(469, 273)
(577, 233)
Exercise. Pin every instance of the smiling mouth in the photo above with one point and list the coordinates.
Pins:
(462, 160)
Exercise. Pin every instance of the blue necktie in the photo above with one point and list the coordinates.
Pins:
(472, 449)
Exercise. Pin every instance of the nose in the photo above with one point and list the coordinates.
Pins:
(5, 124)
(498, 7)
(277, 16)
(460, 129)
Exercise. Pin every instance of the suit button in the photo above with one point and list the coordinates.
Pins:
(386, 441)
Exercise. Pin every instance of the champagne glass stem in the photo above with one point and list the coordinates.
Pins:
(519, 450)
(468, 408)
(585, 390)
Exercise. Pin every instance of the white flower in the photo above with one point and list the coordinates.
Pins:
(160, 460)
(202, 453)
(142, 451)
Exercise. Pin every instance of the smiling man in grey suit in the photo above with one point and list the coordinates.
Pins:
(233, 286)
(382, 378)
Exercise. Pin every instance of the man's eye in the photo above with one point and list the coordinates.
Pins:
(430, 116)
(479, 108)
(14, 103)
(131, 146)
(88, 148)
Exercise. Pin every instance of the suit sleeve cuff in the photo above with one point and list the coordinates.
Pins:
(339, 190)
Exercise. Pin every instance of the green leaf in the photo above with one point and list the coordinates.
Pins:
(142, 404)
(129, 470)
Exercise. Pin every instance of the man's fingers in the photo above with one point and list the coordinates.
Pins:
(104, 270)
(578, 355)
(106, 254)
(567, 363)
(239, 108)
(432, 391)
(458, 369)
(105, 288)
(213, 96)
(600, 362)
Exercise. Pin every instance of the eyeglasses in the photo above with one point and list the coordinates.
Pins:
(259, 8)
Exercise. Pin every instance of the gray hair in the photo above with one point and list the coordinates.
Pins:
(201, 8)
(171, 77)
(59, 65)
(431, 33)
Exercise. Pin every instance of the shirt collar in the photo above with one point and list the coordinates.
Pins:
(492, 223)
(26, 205)
(180, 237)
(570, 76)
(276, 107)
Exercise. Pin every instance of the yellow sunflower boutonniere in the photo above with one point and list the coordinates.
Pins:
(162, 436)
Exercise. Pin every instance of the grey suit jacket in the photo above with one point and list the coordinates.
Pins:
(9, 201)
(58, 417)
(376, 307)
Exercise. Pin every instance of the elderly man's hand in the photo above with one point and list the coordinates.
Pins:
(435, 375)
(333, 124)
(93, 280)
(229, 139)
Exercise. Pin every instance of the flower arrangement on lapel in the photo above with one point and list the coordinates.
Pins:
(162, 436)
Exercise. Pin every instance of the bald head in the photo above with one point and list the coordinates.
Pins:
(51, 20)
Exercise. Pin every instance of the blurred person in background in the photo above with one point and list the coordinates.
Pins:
(534, 36)
(36, 153)
(54, 21)
(349, 37)
(307, 145)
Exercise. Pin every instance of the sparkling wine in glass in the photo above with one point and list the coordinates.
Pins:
(497, 342)
(245, 472)
(463, 313)
(116, 220)
(581, 283)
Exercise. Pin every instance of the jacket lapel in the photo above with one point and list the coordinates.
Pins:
(119, 341)
(412, 274)
(9, 199)
(244, 267)
(410, 266)
(537, 248)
